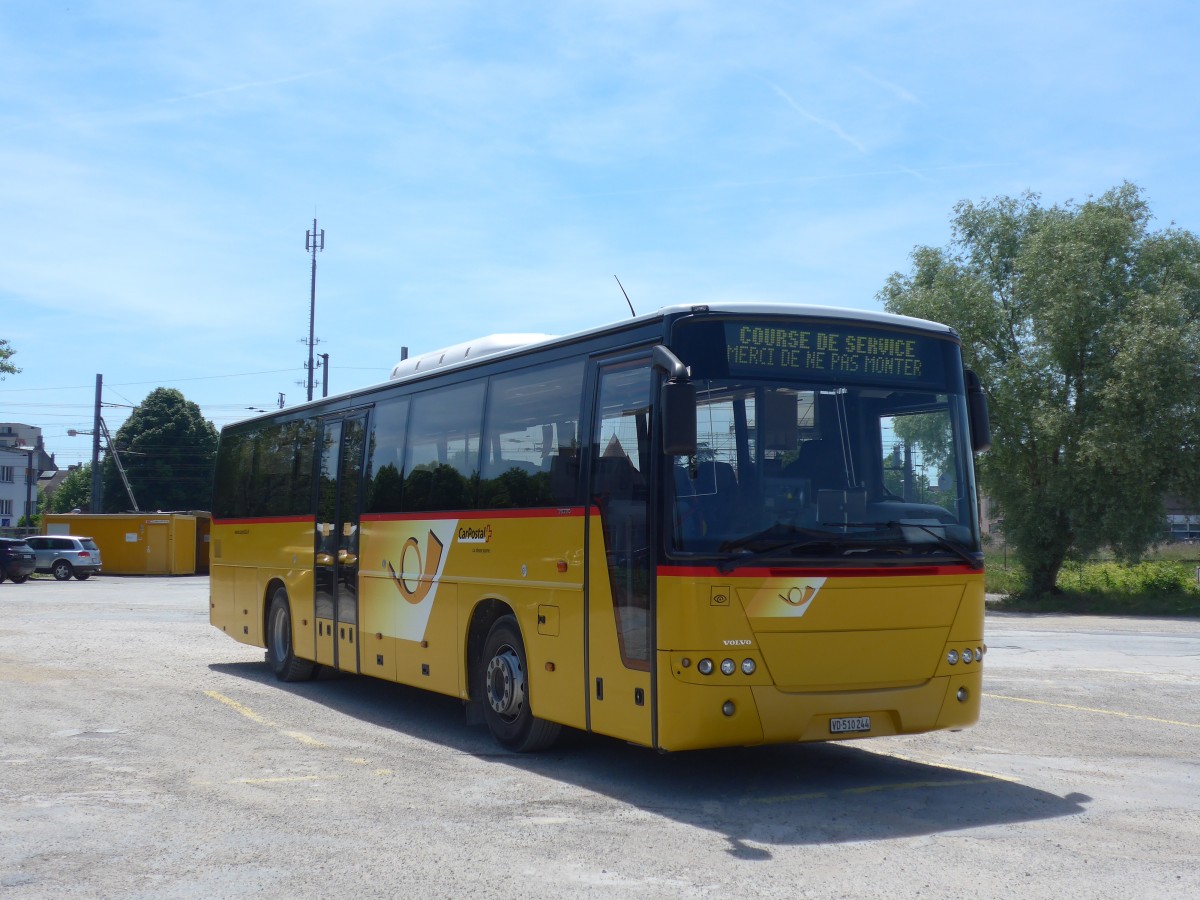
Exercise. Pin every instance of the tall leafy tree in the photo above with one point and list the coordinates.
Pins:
(6, 353)
(73, 492)
(168, 450)
(1084, 326)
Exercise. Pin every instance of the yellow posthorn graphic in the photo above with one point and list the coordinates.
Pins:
(784, 601)
(418, 591)
(798, 597)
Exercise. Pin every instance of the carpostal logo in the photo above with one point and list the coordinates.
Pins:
(474, 534)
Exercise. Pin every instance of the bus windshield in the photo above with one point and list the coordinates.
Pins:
(856, 454)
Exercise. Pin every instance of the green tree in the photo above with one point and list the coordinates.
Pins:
(6, 353)
(1084, 327)
(73, 492)
(168, 450)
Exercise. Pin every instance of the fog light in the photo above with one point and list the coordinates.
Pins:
(952, 657)
(728, 708)
(967, 655)
(748, 667)
(705, 666)
(962, 694)
(728, 667)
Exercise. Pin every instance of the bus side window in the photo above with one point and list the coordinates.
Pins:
(531, 438)
(385, 467)
(442, 458)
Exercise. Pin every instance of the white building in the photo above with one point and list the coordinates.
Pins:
(23, 460)
(18, 485)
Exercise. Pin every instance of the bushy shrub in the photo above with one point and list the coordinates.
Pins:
(1149, 577)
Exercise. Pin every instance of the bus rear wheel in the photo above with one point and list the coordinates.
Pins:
(280, 654)
(504, 689)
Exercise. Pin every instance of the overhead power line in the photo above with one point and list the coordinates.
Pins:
(160, 382)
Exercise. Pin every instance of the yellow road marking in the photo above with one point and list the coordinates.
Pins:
(250, 714)
(978, 774)
(874, 789)
(302, 738)
(908, 786)
(868, 789)
(936, 765)
(1181, 676)
(305, 739)
(1092, 709)
(237, 707)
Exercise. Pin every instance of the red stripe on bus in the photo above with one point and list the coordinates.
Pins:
(712, 572)
(563, 512)
(266, 520)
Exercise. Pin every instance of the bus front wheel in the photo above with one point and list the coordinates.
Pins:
(504, 689)
(280, 653)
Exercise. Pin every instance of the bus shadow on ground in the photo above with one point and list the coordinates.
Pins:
(757, 797)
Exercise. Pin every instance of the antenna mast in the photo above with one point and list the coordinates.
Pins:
(313, 241)
(627, 300)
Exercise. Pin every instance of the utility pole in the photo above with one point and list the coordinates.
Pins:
(97, 482)
(313, 241)
(324, 374)
(31, 475)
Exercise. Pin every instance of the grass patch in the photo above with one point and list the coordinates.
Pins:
(1163, 586)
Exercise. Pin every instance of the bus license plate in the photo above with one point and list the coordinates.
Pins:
(849, 724)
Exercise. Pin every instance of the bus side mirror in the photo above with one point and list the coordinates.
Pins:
(977, 413)
(679, 418)
(678, 406)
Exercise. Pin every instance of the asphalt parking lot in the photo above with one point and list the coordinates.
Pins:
(144, 754)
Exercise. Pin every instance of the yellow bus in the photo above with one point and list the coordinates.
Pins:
(731, 524)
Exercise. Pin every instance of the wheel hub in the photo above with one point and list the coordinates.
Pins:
(506, 683)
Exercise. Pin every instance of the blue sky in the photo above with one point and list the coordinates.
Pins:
(488, 167)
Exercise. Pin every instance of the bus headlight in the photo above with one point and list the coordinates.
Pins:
(728, 667)
(952, 657)
(967, 655)
(748, 667)
(705, 666)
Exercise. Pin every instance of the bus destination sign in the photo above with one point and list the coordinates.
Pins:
(828, 351)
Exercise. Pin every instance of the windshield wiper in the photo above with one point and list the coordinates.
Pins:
(782, 535)
(734, 562)
(796, 539)
(958, 549)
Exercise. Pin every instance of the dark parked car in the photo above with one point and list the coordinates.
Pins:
(17, 559)
(64, 555)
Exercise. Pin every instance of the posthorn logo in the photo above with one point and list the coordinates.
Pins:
(801, 596)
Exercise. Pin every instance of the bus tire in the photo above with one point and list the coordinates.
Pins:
(504, 689)
(280, 653)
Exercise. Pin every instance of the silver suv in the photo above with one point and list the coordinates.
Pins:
(64, 555)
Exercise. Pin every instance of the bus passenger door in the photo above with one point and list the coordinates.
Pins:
(335, 558)
(621, 556)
